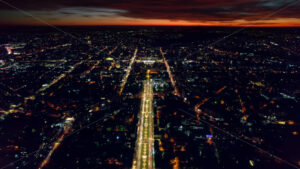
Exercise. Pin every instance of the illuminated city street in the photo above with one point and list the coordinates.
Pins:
(149, 98)
(144, 150)
(176, 92)
(128, 70)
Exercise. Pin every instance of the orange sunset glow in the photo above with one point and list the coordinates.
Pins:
(279, 13)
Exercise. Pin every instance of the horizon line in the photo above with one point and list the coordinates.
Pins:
(149, 25)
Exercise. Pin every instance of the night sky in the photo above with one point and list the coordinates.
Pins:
(152, 12)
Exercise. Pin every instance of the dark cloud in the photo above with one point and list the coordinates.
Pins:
(190, 10)
(67, 13)
(86, 16)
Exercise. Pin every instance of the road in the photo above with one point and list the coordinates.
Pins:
(144, 149)
(176, 91)
(66, 129)
(128, 70)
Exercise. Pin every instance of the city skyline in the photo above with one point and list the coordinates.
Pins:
(150, 97)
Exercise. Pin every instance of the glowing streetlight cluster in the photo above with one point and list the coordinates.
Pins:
(144, 156)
